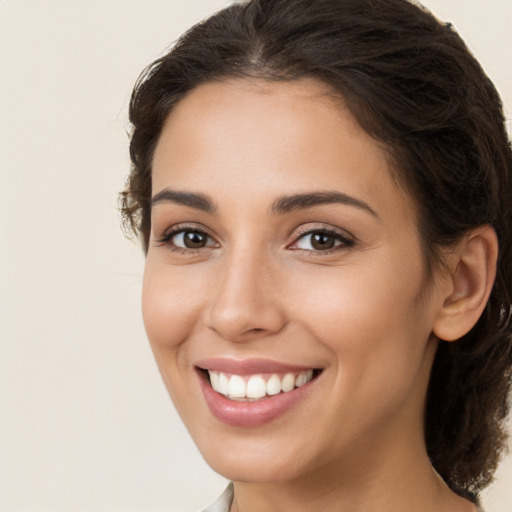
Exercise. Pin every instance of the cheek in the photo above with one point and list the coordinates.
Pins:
(366, 313)
(170, 308)
(376, 335)
(170, 305)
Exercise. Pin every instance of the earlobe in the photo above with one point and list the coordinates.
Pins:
(472, 272)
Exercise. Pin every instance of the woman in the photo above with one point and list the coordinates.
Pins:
(322, 189)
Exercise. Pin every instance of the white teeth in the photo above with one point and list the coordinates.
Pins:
(288, 382)
(214, 379)
(223, 384)
(255, 387)
(273, 385)
(237, 386)
(300, 380)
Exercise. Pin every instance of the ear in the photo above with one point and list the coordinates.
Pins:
(471, 277)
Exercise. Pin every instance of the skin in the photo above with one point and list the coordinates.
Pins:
(363, 311)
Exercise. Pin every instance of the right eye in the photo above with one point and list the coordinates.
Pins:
(187, 239)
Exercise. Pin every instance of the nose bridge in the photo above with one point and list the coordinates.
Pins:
(246, 303)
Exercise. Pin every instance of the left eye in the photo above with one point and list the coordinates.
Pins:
(320, 241)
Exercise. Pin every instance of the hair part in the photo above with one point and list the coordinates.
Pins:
(412, 84)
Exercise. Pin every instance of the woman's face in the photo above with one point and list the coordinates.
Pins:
(283, 253)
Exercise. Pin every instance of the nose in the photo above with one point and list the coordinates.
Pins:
(246, 303)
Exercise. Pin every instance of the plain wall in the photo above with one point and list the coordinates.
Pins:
(85, 422)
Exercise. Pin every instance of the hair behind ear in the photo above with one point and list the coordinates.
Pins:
(471, 373)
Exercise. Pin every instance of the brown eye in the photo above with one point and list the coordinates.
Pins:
(194, 240)
(189, 239)
(322, 241)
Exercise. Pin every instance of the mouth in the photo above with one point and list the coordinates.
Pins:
(251, 393)
(257, 387)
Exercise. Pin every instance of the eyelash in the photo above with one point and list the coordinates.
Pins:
(345, 241)
(166, 238)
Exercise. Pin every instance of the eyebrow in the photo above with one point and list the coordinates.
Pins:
(191, 199)
(301, 201)
(280, 206)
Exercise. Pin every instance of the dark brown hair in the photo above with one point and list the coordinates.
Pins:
(412, 84)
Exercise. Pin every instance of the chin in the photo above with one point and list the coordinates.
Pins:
(249, 470)
(251, 464)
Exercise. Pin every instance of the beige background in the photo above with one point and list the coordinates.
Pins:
(85, 423)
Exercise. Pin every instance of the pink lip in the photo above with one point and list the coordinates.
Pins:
(249, 414)
(248, 366)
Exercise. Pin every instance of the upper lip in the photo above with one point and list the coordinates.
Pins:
(248, 366)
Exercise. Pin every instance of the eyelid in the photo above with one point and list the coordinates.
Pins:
(346, 239)
(169, 233)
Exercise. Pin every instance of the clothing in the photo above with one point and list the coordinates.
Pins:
(223, 504)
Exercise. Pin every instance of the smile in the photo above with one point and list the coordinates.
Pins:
(253, 392)
(257, 387)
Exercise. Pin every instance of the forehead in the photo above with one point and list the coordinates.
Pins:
(270, 136)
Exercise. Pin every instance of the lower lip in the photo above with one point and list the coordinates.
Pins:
(251, 414)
